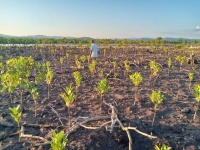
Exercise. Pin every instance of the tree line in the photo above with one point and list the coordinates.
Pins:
(16, 40)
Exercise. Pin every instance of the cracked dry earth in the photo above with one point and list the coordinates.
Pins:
(174, 125)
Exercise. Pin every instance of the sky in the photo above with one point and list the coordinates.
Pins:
(101, 18)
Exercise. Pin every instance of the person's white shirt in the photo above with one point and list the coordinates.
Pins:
(94, 48)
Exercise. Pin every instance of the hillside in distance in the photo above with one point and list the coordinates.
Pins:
(88, 38)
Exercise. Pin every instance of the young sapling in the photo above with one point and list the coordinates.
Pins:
(169, 63)
(156, 98)
(92, 67)
(114, 65)
(58, 141)
(191, 77)
(34, 92)
(197, 96)
(16, 114)
(78, 64)
(83, 58)
(61, 62)
(78, 79)
(102, 87)
(49, 77)
(68, 97)
(163, 147)
(136, 79)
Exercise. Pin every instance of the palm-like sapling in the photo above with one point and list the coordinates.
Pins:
(78, 79)
(136, 78)
(197, 95)
(16, 114)
(58, 142)
(102, 87)
(68, 97)
(156, 98)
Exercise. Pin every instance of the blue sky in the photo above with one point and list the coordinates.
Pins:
(101, 18)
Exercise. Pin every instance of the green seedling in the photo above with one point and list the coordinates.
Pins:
(83, 58)
(20, 69)
(41, 72)
(102, 87)
(114, 65)
(181, 60)
(154, 68)
(61, 62)
(191, 77)
(115, 75)
(92, 67)
(68, 97)
(78, 79)
(136, 79)
(49, 78)
(197, 96)
(127, 66)
(156, 98)
(163, 147)
(34, 92)
(16, 114)
(58, 141)
(9, 82)
(169, 63)
(78, 64)
(67, 56)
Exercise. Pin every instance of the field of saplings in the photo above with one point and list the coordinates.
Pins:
(131, 97)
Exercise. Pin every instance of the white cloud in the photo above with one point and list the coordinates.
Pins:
(198, 27)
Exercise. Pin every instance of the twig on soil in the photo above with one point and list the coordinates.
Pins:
(95, 128)
(31, 136)
(57, 115)
(114, 118)
(40, 125)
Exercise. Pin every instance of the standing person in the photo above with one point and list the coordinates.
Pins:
(94, 50)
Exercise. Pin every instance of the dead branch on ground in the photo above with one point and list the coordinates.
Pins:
(114, 119)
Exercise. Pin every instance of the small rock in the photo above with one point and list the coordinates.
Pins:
(186, 110)
(197, 137)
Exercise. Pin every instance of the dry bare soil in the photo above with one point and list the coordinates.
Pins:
(173, 125)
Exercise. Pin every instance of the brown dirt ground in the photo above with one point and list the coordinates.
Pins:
(173, 125)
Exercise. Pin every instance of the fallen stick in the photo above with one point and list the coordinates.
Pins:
(57, 115)
(114, 118)
(22, 135)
